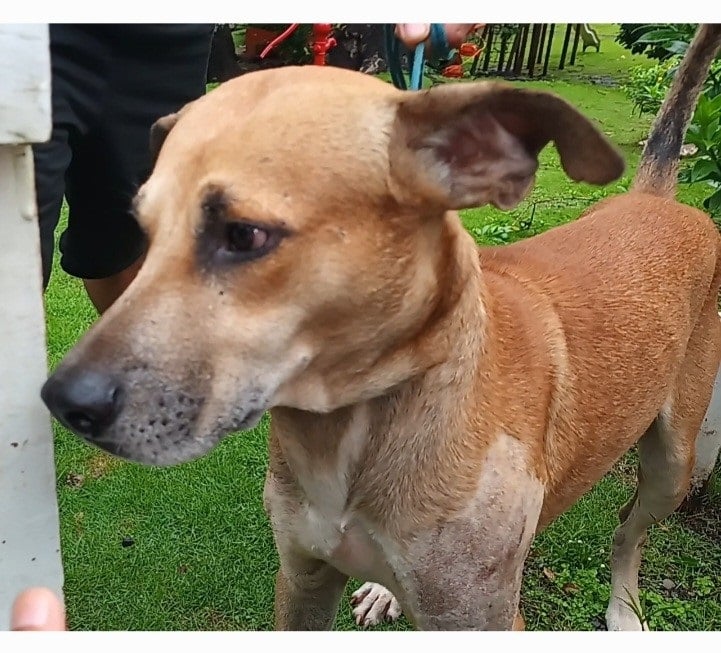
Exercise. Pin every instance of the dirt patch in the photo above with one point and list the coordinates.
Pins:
(706, 521)
(79, 523)
(215, 620)
(603, 80)
(625, 469)
(101, 464)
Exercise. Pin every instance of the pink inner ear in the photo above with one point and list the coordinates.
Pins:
(481, 161)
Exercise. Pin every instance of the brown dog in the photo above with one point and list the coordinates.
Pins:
(433, 405)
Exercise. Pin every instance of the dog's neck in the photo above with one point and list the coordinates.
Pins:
(365, 448)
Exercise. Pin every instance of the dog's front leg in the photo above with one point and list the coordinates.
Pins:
(463, 584)
(465, 574)
(307, 590)
(307, 593)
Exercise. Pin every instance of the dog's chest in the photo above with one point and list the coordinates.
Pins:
(344, 540)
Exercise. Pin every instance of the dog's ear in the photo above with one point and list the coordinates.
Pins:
(463, 145)
(158, 133)
(161, 128)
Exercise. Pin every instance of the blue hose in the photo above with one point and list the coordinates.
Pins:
(439, 48)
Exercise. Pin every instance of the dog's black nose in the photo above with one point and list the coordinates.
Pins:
(86, 401)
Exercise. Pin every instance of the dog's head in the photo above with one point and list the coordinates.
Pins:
(299, 222)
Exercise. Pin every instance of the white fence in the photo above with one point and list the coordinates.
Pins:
(29, 534)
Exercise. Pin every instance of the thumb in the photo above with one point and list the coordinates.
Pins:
(412, 35)
(37, 608)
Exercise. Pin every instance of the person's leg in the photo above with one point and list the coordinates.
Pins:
(155, 71)
(51, 161)
(77, 80)
(103, 292)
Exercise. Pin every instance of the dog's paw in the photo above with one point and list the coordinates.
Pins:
(373, 604)
(620, 617)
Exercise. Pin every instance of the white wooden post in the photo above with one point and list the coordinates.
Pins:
(29, 527)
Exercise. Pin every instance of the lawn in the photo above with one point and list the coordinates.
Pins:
(190, 547)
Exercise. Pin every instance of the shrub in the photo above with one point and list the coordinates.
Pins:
(656, 40)
(647, 86)
(705, 133)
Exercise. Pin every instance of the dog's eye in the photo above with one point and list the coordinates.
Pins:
(225, 238)
(237, 242)
(244, 237)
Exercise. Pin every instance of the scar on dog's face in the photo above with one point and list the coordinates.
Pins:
(299, 234)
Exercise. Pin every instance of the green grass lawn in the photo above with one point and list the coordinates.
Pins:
(190, 547)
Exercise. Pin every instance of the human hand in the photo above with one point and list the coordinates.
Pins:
(456, 33)
(37, 608)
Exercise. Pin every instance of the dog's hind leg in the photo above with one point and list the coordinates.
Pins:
(663, 477)
(666, 458)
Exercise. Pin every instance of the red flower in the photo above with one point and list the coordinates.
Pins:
(453, 71)
(469, 49)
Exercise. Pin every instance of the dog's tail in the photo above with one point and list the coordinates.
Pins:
(658, 171)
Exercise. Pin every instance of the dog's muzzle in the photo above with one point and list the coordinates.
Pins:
(141, 416)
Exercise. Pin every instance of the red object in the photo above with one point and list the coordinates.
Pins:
(279, 39)
(453, 71)
(469, 49)
(257, 39)
(322, 42)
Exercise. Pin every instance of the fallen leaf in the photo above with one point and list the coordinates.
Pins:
(74, 480)
(549, 573)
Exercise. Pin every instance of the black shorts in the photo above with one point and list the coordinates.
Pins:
(110, 83)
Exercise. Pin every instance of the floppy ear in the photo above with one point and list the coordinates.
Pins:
(158, 133)
(161, 128)
(464, 145)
